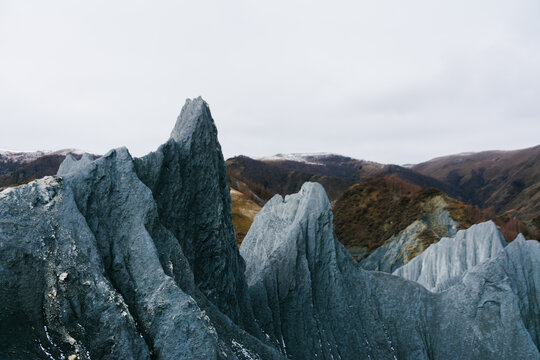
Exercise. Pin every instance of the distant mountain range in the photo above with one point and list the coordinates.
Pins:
(285, 174)
(508, 181)
(136, 258)
(18, 167)
(373, 203)
(385, 221)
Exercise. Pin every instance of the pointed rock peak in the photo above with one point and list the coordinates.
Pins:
(71, 164)
(486, 231)
(288, 226)
(66, 164)
(486, 225)
(193, 114)
(311, 191)
(443, 263)
(520, 237)
(290, 212)
(87, 157)
(310, 199)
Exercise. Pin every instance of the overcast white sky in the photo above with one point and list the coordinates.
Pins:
(388, 81)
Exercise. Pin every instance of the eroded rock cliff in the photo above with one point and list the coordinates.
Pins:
(123, 258)
(443, 263)
(315, 301)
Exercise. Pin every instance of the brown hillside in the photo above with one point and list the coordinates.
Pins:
(508, 181)
(267, 179)
(23, 172)
(368, 214)
(243, 213)
(43, 166)
(356, 171)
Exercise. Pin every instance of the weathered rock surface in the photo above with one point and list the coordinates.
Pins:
(123, 258)
(127, 259)
(401, 248)
(189, 184)
(443, 263)
(315, 301)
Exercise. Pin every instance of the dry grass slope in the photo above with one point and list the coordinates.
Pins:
(508, 181)
(368, 214)
(243, 213)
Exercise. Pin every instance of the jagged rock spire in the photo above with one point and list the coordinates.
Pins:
(193, 112)
(188, 180)
(316, 302)
(124, 258)
(444, 262)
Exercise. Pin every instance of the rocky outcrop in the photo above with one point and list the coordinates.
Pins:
(443, 263)
(190, 188)
(123, 258)
(414, 239)
(386, 221)
(314, 301)
(71, 164)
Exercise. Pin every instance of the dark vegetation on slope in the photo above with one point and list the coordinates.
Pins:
(335, 173)
(467, 215)
(333, 165)
(23, 173)
(508, 181)
(265, 179)
(13, 174)
(368, 214)
(358, 171)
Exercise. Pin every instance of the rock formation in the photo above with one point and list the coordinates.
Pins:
(316, 302)
(190, 188)
(443, 263)
(408, 243)
(123, 258)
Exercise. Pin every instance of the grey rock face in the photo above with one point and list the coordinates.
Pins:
(315, 301)
(91, 268)
(189, 184)
(443, 263)
(70, 164)
(43, 238)
(123, 258)
(399, 249)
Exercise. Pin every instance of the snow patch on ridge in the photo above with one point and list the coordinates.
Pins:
(306, 158)
(24, 156)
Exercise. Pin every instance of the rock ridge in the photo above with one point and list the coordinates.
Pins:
(94, 265)
(315, 301)
(444, 262)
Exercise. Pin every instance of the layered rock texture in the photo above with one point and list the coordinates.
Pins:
(443, 263)
(123, 258)
(136, 258)
(315, 302)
